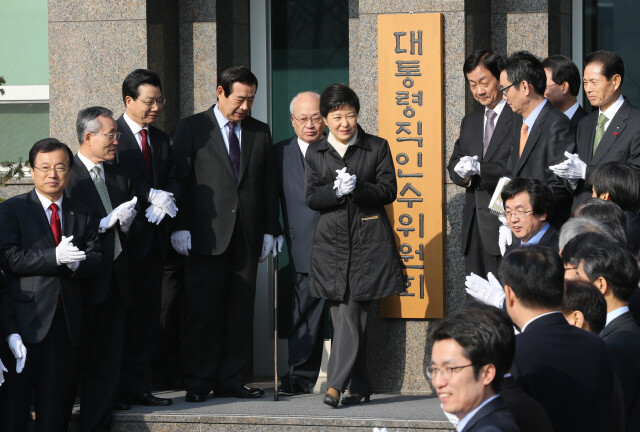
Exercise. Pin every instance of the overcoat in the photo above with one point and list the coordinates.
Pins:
(353, 244)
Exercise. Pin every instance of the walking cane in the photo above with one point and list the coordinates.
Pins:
(275, 328)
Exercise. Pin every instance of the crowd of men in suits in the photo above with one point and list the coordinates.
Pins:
(558, 264)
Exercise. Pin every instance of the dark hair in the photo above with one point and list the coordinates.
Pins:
(535, 274)
(611, 62)
(48, 145)
(621, 181)
(609, 214)
(484, 332)
(338, 95)
(607, 259)
(524, 66)
(583, 296)
(236, 74)
(87, 120)
(488, 59)
(540, 195)
(137, 78)
(563, 70)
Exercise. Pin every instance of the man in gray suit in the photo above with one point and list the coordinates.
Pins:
(305, 337)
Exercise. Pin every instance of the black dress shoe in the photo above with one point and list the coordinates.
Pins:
(244, 392)
(290, 388)
(331, 401)
(121, 406)
(147, 399)
(355, 399)
(196, 397)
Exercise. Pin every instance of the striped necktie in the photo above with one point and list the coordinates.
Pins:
(106, 202)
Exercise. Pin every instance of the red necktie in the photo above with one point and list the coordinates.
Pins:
(146, 150)
(56, 227)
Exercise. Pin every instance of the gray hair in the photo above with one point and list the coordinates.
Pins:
(293, 101)
(579, 225)
(87, 120)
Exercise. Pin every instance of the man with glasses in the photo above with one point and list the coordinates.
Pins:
(543, 133)
(108, 191)
(48, 246)
(307, 313)
(472, 351)
(527, 203)
(145, 152)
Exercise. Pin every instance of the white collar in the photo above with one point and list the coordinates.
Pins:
(464, 420)
(135, 127)
(616, 313)
(46, 203)
(90, 164)
(613, 109)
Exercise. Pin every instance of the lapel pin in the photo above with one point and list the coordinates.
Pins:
(615, 133)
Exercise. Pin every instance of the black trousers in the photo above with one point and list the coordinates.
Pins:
(476, 259)
(142, 325)
(47, 377)
(347, 366)
(306, 338)
(101, 358)
(166, 358)
(217, 338)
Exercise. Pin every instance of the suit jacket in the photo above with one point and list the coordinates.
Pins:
(130, 157)
(567, 370)
(299, 220)
(529, 415)
(493, 165)
(621, 142)
(549, 239)
(622, 336)
(549, 138)
(493, 417)
(32, 276)
(212, 198)
(120, 188)
(577, 116)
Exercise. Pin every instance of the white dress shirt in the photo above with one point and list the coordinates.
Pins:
(611, 111)
(222, 122)
(135, 129)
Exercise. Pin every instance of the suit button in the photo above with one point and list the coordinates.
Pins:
(233, 211)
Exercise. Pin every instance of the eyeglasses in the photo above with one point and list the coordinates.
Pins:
(519, 213)
(160, 102)
(304, 120)
(111, 136)
(446, 371)
(59, 169)
(503, 90)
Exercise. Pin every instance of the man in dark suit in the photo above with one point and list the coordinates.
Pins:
(614, 271)
(611, 133)
(48, 244)
(472, 351)
(565, 368)
(527, 203)
(108, 192)
(145, 152)
(486, 135)
(306, 339)
(563, 86)
(228, 214)
(543, 133)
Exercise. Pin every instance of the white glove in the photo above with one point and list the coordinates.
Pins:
(164, 200)
(572, 168)
(155, 214)
(267, 247)
(67, 253)
(467, 166)
(19, 351)
(108, 221)
(505, 236)
(277, 245)
(344, 183)
(2, 369)
(181, 242)
(125, 213)
(488, 291)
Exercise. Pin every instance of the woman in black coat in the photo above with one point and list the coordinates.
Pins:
(350, 177)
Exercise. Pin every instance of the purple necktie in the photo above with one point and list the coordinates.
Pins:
(488, 129)
(234, 149)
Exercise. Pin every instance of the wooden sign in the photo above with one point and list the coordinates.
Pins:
(410, 117)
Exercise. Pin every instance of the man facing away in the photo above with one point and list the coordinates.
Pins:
(563, 86)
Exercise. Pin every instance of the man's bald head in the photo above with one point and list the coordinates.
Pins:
(305, 116)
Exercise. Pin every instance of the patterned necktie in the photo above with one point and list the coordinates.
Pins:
(602, 120)
(488, 129)
(146, 151)
(234, 149)
(56, 226)
(524, 135)
(106, 202)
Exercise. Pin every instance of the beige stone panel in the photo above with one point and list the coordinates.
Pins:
(96, 10)
(198, 67)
